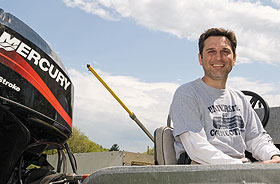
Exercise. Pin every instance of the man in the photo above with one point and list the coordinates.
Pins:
(213, 123)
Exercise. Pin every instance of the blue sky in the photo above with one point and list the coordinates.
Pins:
(144, 50)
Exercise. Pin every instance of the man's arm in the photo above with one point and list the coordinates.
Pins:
(263, 149)
(201, 151)
(257, 141)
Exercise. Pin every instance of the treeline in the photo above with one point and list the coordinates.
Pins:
(80, 143)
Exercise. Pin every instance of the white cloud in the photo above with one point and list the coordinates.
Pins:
(101, 117)
(257, 86)
(257, 26)
(265, 90)
(93, 7)
(277, 2)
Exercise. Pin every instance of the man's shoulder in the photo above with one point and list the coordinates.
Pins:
(191, 84)
(237, 93)
(188, 87)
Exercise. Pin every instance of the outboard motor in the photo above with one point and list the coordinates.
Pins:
(36, 100)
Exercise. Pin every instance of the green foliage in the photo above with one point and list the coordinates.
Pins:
(50, 152)
(114, 147)
(79, 143)
(149, 152)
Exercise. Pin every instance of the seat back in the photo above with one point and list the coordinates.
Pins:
(164, 151)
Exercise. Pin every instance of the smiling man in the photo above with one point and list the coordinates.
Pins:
(214, 123)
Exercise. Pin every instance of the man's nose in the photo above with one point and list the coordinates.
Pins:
(218, 56)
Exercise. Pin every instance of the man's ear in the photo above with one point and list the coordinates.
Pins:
(234, 59)
(200, 59)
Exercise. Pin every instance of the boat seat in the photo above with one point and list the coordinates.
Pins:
(164, 149)
(164, 145)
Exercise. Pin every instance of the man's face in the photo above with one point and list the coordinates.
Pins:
(218, 58)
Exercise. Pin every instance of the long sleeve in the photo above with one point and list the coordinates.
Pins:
(262, 147)
(201, 151)
(257, 141)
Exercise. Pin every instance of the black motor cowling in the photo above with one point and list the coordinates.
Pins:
(36, 96)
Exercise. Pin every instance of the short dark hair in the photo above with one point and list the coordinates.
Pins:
(217, 32)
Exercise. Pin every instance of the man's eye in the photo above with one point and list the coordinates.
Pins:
(226, 51)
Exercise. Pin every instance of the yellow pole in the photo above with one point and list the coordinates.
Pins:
(131, 114)
(109, 89)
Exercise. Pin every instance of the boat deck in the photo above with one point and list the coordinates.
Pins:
(243, 173)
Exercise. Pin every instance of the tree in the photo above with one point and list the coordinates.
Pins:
(149, 151)
(115, 147)
(79, 143)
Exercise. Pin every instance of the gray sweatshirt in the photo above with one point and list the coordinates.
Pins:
(225, 118)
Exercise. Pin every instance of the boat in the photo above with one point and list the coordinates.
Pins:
(36, 107)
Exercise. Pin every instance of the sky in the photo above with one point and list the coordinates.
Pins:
(144, 50)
